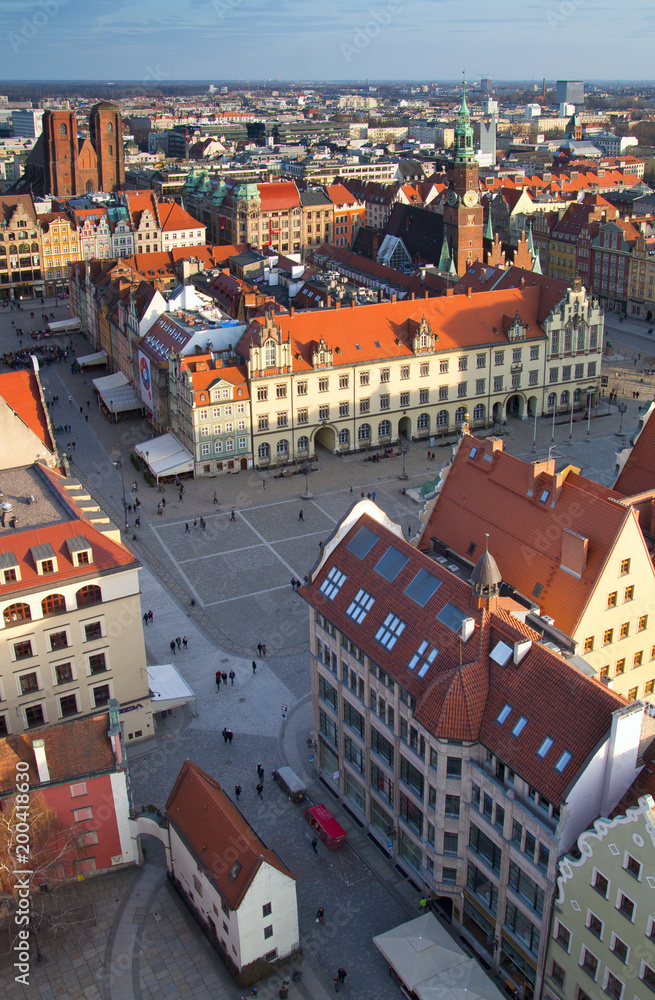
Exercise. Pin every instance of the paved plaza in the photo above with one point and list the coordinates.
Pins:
(227, 588)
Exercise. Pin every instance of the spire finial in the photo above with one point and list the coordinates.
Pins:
(486, 541)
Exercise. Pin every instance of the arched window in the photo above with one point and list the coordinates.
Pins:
(577, 395)
(442, 418)
(269, 354)
(88, 595)
(424, 339)
(564, 398)
(63, 130)
(364, 433)
(17, 613)
(23, 248)
(53, 604)
(344, 436)
(264, 451)
(110, 149)
(551, 398)
(384, 428)
(283, 447)
(478, 412)
(35, 248)
(303, 443)
(110, 127)
(423, 422)
(460, 414)
(3, 251)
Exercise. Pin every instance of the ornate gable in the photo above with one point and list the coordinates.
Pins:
(424, 339)
(322, 355)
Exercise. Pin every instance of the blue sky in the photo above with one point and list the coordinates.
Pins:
(160, 40)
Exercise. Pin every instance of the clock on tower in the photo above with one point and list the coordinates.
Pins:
(462, 214)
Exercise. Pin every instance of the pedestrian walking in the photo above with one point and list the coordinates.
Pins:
(180, 498)
(160, 512)
(215, 497)
(259, 648)
(224, 734)
(293, 582)
(70, 399)
(137, 522)
(179, 642)
(320, 916)
(230, 735)
(187, 530)
(185, 641)
(260, 789)
(337, 987)
(301, 516)
(145, 617)
(263, 649)
(263, 484)
(315, 845)
(237, 791)
(163, 501)
(254, 667)
(173, 646)
(88, 404)
(341, 973)
(218, 680)
(81, 409)
(260, 772)
(233, 515)
(232, 675)
(151, 616)
(224, 675)
(203, 524)
(86, 417)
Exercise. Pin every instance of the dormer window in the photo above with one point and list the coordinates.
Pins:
(9, 568)
(80, 550)
(44, 558)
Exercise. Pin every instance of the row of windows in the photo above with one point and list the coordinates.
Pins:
(622, 632)
(68, 705)
(57, 640)
(53, 604)
(63, 673)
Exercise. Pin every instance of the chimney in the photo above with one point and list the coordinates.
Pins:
(394, 297)
(491, 446)
(521, 647)
(38, 746)
(450, 292)
(521, 282)
(468, 628)
(469, 292)
(352, 303)
(328, 301)
(535, 469)
(426, 294)
(412, 296)
(575, 547)
(337, 304)
(290, 310)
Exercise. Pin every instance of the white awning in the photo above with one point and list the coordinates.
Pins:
(99, 358)
(168, 688)
(165, 455)
(117, 394)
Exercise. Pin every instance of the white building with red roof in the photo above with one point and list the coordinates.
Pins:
(243, 893)
(471, 753)
(25, 427)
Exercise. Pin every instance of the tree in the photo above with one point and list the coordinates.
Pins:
(37, 856)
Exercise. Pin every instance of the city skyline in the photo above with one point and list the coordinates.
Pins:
(166, 41)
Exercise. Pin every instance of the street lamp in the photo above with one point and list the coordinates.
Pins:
(119, 465)
(404, 450)
(622, 408)
(307, 495)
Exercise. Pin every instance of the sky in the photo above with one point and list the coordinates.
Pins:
(155, 41)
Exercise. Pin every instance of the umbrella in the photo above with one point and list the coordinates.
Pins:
(466, 981)
(413, 952)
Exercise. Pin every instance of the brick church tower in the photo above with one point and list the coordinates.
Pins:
(106, 134)
(60, 152)
(463, 215)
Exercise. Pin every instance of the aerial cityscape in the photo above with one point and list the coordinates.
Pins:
(327, 503)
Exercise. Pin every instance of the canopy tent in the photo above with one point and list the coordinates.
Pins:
(117, 394)
(168, 688)
(88, 360)
(165, 456)
(433, 966)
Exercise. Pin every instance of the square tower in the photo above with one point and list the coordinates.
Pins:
(106, 133)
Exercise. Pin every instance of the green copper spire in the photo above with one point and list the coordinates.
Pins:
(453, 269)
(536, 267)
(489, 230)
(530, 240)
(463, 133)
(444, 259)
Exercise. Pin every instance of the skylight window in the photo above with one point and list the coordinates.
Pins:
(451, 616)
(425, 656)
(362, 543)
(391, 563)
(563, 761)
(544, 496)
(520, 726)
(473, 452)
(545, 747)
(502, 716)
(360, 606)
(501, 653)
(333, 583)
(422, 587)
(390, 631)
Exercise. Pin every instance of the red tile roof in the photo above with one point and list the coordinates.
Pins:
(385, 330)
(638, 473)
(481, 277)
(208, 822)
(463, 692)
(525, 535)
(73, 749)
(21, 392)
(340, 195)
(278, 197)
(172, 216)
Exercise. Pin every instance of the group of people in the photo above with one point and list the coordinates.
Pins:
(178, 643)
(23, 357)
(222, 677)
(259, 787)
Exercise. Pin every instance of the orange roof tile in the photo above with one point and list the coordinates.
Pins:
(278, 197)
(21, 392)
(207, 820)
(638, 473)
(76, 748)
(340, 195)
(172, 216)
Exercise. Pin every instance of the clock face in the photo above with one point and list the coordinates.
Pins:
(470, 199)
(451, 197)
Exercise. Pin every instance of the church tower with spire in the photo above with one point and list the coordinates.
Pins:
(463, 215)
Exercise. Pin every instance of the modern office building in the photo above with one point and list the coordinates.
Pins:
(570, 92)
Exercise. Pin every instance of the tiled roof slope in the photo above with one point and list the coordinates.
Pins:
(464, 691)
(20, 390)
(638, 473)
(216, 833)
(525, 534)
(79, 747)
(481, 277)
(386, 329)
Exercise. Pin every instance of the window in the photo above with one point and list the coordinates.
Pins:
(385, 374)
(390, 631)
(29, 683)
(301, 388)
(22, 649)
(611, 599)
(625, 567)
(450, 844)
(462, 364)
(101, 695)
(589, 963)
(629, 594)
(58, 640)
(613, 986)
(454, 768)
(620, 667)
(600, 884)
(620, 949)
(452, 806)
(424, 368)
(53, 604)
(498, 383)
(324, 412)
(17, 613)
(522, 928)
(526, 888)
(281, 391)
(364, 379)
(93, 631)
(626, 906)
(633, 867)
(34, 715)
(404, 399)
(589, 644)
(643, 623)
(364, 406)
(595, 925)
(268, 931)
(648, 976)
(563, 936)
(404, 371)
(68, 705)
(499, 357)
(624, 631)
(481, 361)
(262, 394)
(97, 663)
(608, 636)
(90, 594)
(323, 384)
